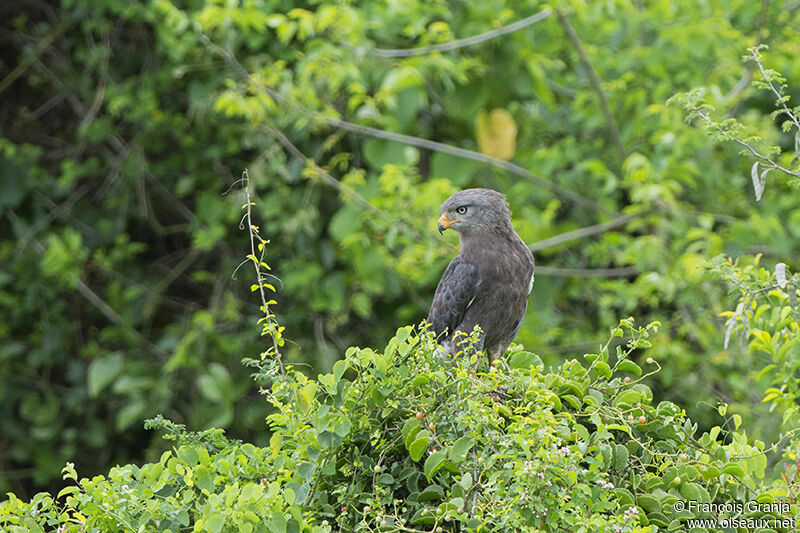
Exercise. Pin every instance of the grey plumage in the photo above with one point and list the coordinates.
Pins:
(488, 283)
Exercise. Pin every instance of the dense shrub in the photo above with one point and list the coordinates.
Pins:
(403, 440)
(123, 123)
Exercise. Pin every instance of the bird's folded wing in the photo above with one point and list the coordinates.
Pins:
(454, 294)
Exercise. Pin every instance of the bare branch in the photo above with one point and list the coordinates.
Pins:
(43, 45)
(460, 43)
(583, 232)
(595, 81)
(338, 185)
(92, 297)
(466, 154)
(743, 82)
(408, 139)
(101, 86)
(618, 272)
(330, 180)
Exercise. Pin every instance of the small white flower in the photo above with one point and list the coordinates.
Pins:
(630, 512)
(527, 467)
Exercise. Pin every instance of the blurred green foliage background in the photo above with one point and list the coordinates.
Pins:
(124, 128)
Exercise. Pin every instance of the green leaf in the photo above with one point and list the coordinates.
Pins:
(420, 380)
(605, 453)
(411, 427)
(379, 153)
(329, 381)
(431, 492)
(620, 457)
(619, 427)
(456, 169)
(102, 372)
(132, 412)
(694, 492)
(384, 479)
(658, 519)
(418, 447)
(629, 366)
(305, 396)
(627, 397)
(572, 400)
(275, 442)
(733, 469)
(433, 463)
(70, 489)
(339, 368)
(277, 523)
(203, 480)
(648, 503)
(460, 448)
(215, 522)
(603, 369)
(524, 360)
(188, 455)
(342, 427)
(623, 496)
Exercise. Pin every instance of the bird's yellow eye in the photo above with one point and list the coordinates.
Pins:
(461, 210)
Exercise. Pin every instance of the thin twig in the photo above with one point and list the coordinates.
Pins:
(618, 272)
(54, 212)
(252, 230)
(408, 139)
(101, 86)
(595, 81)
(580, 346)
(43, 45)
(466, 154)
(743, 82)
(122, 147)
(762, 18)
(728, 136)
(338, 185)
(460, 43)
(330, 180)
(583, 232)
(544, 271)
(92, 297)
(781, 100)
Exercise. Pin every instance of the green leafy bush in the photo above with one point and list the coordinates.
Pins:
(403, 440)
(124, 122)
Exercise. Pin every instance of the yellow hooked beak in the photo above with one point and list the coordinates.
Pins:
(445, 223)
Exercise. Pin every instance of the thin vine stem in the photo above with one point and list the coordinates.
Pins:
(272, 327)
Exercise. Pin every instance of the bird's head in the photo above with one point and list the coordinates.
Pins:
(474, 211)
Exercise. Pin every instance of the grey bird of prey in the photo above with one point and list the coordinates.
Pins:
(488, 283)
